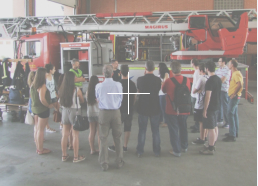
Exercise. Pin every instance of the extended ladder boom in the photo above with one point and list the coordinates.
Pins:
(122, 22)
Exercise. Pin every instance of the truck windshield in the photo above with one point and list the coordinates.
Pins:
(33, 49)
(217, 23)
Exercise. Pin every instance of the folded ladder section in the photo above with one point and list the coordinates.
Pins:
(173, 21)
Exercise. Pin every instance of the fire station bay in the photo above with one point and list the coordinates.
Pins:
(128, 93)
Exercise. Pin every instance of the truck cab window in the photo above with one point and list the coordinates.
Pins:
(217, 23)
(33, 49)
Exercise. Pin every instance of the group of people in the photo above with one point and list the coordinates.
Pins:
(214, 98)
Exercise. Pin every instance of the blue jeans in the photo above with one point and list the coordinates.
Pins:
(222, 114)
(143, 122)
(233, 116)
(162, 103)
(193, 100)
(178, 132)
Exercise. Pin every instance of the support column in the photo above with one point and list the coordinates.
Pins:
(82, 7)
(30, 9)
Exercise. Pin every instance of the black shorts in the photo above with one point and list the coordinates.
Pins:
(127, 120)
(54, 100)
(198, 115)
(44, 114)
(211, 121)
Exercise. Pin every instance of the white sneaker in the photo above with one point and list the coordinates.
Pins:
(206, 144)
(220, 124)
(226, 126)
(50, 130)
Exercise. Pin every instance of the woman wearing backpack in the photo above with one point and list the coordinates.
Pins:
(70, 99)
(163, 74)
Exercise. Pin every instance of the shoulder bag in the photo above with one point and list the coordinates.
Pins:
(29, 119)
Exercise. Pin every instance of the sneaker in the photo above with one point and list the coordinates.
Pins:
(121, 164)
(195, 131)
(184, 150)
(206, 151)
(104, 167)
(229, 139)
(138, 155)
(206, 144)
(227, 134)
(112, 148)
(50, 130)
(198, 141)
(124, 149)
(174, 154)
(164, 125)
(226, 126)
(220, 124)
(157, 155)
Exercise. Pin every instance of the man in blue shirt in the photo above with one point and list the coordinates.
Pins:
(109, 116)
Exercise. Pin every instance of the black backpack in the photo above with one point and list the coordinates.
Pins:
(182, 96)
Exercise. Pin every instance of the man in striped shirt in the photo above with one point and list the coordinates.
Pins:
(224, 73)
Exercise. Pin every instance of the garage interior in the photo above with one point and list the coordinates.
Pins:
(233, 163)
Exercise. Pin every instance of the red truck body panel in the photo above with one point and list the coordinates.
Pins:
(50, 48)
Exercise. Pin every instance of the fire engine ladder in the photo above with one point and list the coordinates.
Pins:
(173, 21)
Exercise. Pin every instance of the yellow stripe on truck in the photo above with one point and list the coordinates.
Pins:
(142, 68)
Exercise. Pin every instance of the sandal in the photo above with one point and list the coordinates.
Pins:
(164, 125)
(78, 159)
(65, 158)
(50, 130)
(44, 151)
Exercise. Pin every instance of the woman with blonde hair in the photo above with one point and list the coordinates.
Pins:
(30, 80)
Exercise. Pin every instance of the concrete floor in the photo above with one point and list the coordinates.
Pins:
(233, 164)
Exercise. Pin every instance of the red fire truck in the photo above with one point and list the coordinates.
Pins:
(95, 39)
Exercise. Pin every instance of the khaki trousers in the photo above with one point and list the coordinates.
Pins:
(110, 119)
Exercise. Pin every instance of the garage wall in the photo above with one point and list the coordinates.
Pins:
(251, 4)
(163, 5)
(102, 6)
(108, 6)
(105, 6)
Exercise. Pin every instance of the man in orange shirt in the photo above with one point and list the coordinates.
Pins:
(176, 121)
(234, 93)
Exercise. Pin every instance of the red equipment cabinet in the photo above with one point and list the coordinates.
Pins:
(83, 55)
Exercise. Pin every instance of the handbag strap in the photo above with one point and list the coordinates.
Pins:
(76, 98)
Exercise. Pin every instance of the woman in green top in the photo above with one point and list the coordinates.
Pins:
(40, 98)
